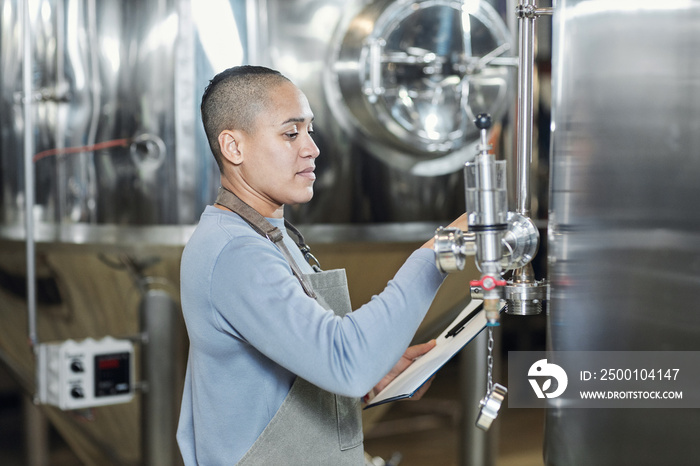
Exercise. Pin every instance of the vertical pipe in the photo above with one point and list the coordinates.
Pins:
(36, 429)
(62, 87)
(525, 104)
(509, 149)
(158, 316)
(29, 172)
(91, 189)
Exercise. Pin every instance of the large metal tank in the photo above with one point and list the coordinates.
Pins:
(394, 86)
(107, 98)
(624, 236)
(96, 125)
(99, 124)
(115, 87)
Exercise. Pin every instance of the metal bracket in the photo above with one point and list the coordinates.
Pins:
(531, 11)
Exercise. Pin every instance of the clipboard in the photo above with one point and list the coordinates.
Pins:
(463, 329)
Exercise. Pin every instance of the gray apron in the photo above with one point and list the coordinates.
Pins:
(313, 426)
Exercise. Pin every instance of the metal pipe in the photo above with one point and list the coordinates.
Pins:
(527, 12)
(525, 104)
(36, 434)
(29, 173)
(62, 85)
(158, 314)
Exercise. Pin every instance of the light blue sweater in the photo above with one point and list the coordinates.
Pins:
(252, 330)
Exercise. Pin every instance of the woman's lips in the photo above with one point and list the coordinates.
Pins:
(308, 173)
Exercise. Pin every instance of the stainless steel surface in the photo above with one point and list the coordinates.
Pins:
(112, 237)
(385, 156)
(411, 76)
(86, 90)
(624, 236)
(92, 84)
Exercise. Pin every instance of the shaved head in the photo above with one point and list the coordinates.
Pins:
(233, 99)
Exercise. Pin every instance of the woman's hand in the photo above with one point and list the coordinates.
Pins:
(410, 355)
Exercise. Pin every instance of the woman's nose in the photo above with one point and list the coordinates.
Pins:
(310, 148)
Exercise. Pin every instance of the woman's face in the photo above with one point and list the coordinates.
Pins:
(279, 155)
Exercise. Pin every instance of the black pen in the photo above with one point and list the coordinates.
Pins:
(460, 326)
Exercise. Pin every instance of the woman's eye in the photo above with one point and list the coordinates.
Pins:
(292, 135)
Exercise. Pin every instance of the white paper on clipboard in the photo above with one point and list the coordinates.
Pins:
(447, 345)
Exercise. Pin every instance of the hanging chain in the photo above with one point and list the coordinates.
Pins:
(489, 361)
(495, 393)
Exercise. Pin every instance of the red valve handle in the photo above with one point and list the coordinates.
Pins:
(487, 283)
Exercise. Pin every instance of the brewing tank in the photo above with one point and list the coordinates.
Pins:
(115, 89)
(623, 227)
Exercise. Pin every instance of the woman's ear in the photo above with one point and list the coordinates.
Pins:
(229, 147)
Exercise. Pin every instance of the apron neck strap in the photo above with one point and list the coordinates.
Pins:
(305, 249)
(264, 228)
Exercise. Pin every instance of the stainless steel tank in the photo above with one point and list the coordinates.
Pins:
(394, 86)
(624, 235)
(116, 86)
(109, 99)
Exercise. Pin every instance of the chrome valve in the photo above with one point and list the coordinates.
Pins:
(499, 240)
(520, 242)
(452, 246)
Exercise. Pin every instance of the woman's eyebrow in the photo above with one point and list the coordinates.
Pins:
(295, 120)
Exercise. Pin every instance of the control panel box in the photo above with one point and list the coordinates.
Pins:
(84, 374)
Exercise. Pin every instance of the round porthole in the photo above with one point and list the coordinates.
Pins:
(407, 78)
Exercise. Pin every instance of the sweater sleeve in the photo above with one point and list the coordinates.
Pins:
(258, 299)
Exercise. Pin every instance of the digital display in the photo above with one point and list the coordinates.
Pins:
(108, 364)
(112, 374)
